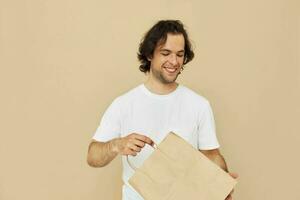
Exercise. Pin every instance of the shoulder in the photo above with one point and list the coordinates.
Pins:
(193, 97)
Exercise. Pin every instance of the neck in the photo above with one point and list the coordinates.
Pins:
(160, 88)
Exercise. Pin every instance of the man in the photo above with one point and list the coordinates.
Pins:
(147, 113)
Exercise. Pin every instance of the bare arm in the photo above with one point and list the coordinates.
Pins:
(215, 156)
(102, 153)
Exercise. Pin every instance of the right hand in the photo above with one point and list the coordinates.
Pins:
(131, 144)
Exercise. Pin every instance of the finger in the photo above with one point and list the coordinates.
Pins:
(144, 139)
(229, 197)
(233, 175)
(131, 153)
(139, 143)
(135, 148)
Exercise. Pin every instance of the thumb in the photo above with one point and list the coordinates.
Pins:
(233, 175)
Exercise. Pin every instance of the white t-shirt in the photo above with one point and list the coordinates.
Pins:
(182, 111)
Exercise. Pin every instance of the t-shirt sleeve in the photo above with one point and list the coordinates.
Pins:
(110, 124)
(207, 138)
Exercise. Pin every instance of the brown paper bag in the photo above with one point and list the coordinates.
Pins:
(177, 171)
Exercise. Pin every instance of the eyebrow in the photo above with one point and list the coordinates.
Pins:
(167, 50)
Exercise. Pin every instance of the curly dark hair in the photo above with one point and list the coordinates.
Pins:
(158, 35)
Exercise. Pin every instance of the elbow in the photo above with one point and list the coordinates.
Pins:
(95, 156)
(93, 162)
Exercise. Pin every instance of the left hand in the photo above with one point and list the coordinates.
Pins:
(235, 176)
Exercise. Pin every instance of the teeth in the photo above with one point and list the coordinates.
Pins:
(170, 69)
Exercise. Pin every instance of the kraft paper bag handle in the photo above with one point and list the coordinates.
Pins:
(131, 165)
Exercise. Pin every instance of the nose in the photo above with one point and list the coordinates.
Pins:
(173, 59)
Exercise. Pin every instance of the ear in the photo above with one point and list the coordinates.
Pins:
(149, 58)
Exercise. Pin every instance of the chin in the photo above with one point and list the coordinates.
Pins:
(169, 81)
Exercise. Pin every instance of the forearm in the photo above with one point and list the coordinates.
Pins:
(219, 160)
(101, 153)
(215, 156)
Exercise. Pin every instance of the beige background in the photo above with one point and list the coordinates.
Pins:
(62, 62)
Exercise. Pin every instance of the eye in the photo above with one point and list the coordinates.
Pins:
(180, 55)
(165, 54)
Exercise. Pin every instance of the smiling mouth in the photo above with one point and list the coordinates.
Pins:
(170, 69)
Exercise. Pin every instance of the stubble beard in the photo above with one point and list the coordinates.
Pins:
(159, 75)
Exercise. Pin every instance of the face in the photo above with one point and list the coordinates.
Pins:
(168, 59)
